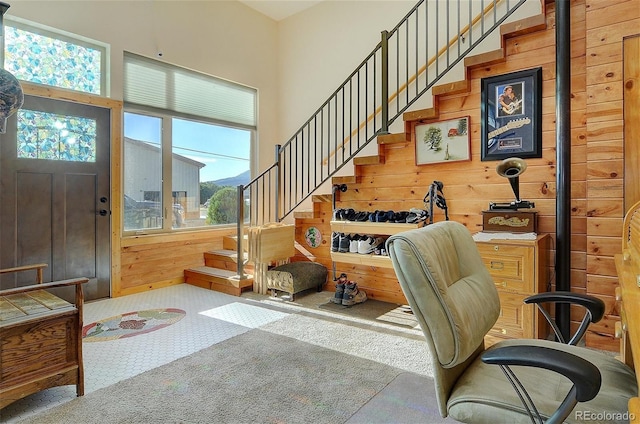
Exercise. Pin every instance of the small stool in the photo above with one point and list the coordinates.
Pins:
(296, 277)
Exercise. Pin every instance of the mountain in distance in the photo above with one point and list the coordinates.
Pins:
(243, 179)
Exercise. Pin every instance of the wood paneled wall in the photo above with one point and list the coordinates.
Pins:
(597, 31)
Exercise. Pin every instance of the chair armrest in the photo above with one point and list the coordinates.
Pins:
(34, 287)
(594, 310)
(37, 267)
(585, 376)
(591, 303)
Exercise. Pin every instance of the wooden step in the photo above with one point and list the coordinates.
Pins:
(321, 198)
(457, 87)
(416, 115)
(225, 259)
(303, 215)
(231, 242)
(369, 160)
(224, 255)
(348, 179)
(217, 279)
(402, 137)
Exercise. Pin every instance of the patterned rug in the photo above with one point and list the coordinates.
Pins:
(131, 324)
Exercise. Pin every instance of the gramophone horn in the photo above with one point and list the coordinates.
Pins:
(511, 168)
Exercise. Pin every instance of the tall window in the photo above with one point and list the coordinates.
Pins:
(46, 56)
(188, 140)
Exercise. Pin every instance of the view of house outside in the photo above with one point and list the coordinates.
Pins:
(208, 163)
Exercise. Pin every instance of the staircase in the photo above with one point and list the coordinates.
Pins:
(313, 156)
(219, 270)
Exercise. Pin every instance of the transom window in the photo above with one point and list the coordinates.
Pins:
(44, 56)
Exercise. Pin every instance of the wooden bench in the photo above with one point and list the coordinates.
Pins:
(628, 296)
(40, 338)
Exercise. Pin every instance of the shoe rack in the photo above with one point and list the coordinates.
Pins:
(371, 228)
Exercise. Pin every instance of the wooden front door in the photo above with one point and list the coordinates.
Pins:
(54, 197)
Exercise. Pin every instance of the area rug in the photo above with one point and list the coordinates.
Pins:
(255, 377)
(131, 324)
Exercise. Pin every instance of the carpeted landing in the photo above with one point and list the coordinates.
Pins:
(259, 377)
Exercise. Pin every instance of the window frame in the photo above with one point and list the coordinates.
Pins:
(166, 143)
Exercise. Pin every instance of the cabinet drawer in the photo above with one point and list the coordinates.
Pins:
(512, 267)
(516, 317)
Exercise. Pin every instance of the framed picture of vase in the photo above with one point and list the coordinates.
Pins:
(511, 112)
(443, 141)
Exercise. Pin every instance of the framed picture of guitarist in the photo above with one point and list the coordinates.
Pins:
(511, 112)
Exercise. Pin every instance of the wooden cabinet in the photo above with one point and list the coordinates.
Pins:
(519, 269)
(368, 228)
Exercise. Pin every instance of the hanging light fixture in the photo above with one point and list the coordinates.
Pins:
(11, 94)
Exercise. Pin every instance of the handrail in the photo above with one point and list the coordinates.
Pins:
(347, 121)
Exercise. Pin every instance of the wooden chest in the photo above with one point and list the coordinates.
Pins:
(41, 341)
(509, 221)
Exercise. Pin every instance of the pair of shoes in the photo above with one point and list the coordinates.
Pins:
(352, 294)
(381, 216)
(347, 292)
(416, 216)
(343, 214)
(340, 283)
(400, 217)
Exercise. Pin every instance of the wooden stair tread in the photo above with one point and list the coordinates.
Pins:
(303, 214)
(485, 59)
(402, 137)
(226, 253)
(416, 115)
(457, 87)
(349, 179)
(321, 198)
(218, 275)
(368, 160)
(524, 26)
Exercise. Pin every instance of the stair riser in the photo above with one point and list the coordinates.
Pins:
(226, 264)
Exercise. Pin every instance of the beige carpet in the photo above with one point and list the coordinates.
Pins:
(257, 377)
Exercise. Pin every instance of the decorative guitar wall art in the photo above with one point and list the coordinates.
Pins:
(516, 123)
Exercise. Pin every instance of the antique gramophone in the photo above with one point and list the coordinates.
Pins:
(511, 168)
(507, 216)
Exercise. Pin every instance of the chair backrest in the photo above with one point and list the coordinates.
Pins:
(450, 292)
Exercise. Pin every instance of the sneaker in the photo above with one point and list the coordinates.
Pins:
(335, 241)
(366, 245)
(340, 283)
(416, 216)
(353, 244)
(352, 294)
(344, 243)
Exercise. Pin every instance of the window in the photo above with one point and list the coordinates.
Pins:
(201, 147)
(48, 57)
(43, 135)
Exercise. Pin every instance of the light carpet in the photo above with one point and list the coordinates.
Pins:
(258, 376)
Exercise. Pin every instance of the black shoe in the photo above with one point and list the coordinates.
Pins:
(335, 241)
(345, 241)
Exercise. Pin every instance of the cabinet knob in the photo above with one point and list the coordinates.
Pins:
(503, 331)
(496, 248)
(502, 284)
